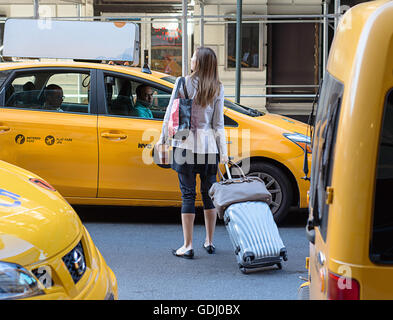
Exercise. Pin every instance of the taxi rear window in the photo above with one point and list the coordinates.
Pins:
(324, 139)
(381, 245)
(3, 76)
(49, 90)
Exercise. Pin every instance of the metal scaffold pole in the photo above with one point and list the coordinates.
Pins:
(184, 38)
(202, 22)
(238, 48)
(337, 5)
(36, 9)
(325, 37)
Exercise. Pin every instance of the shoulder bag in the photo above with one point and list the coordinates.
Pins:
(179, 122)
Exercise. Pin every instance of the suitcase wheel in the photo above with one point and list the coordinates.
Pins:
(279, 265)
(248, 257)
(243, 269)
(283, 254)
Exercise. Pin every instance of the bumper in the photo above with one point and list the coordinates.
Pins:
(295, 165)
(103, 285)
(97, 283)
(304, 291)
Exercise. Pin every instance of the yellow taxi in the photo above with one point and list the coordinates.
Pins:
(350, 221)
(45, 251)
(91, 148)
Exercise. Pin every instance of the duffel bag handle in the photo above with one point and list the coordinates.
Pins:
(238, 167)
(229, 172)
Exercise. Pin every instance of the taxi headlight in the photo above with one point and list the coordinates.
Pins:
(16, 282)
(301, 140)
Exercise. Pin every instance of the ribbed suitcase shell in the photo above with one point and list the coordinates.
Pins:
(254, 235)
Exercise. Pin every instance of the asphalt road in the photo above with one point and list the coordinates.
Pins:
(136, 243)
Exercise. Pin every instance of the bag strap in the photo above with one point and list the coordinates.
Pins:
(179, 83)
(183, 80)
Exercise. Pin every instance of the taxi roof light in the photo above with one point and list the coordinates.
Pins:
(62, 39)
(146, 68)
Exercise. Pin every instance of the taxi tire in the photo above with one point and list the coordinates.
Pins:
(268, 171)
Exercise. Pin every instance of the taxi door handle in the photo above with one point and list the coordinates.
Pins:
(4, 129)
(114, 136)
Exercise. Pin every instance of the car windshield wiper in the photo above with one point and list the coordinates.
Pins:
(251, 111)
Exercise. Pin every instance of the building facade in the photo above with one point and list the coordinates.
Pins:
(281, 56)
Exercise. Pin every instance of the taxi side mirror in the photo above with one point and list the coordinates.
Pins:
(310, 233)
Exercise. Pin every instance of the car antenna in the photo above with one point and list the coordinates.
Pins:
(146, 68)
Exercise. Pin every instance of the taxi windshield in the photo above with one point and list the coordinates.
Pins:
(229, 104)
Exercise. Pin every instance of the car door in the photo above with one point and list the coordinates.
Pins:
(58, 142)
(126, 169)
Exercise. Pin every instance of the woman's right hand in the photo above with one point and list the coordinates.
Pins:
(163, 152)
(224, 159)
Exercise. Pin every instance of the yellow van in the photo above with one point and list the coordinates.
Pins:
(91, 148)
(350, 223)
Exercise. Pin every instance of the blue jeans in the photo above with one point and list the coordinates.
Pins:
(187, 182)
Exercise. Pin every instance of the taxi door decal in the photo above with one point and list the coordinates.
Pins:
(12, 196)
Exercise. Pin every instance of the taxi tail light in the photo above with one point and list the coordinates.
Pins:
(342, 288)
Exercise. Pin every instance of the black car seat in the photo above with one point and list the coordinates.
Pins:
(29, 95)
(123, 104)
(108, 96)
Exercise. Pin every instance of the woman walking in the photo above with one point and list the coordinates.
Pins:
(203, 148)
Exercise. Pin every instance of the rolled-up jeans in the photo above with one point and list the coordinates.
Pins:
(187, 182)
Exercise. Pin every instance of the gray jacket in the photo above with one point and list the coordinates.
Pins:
(207, 123)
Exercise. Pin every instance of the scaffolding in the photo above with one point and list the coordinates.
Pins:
(326, 20)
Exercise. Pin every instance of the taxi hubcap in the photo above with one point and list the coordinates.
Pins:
(273, 187)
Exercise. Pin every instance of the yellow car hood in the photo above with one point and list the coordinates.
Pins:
(35, 223)
(286, 124)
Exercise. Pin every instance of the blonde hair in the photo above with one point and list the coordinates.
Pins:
(206, 72)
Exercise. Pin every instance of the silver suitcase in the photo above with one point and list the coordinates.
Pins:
(254, 235)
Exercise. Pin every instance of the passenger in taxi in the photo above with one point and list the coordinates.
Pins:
(144, 100)
(53, 97)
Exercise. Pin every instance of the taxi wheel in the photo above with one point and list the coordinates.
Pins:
(277, 183)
